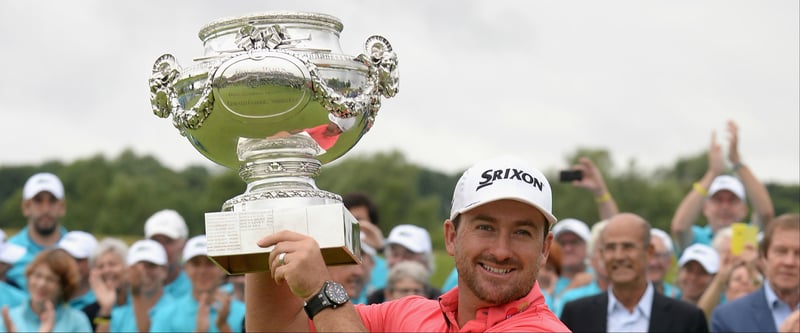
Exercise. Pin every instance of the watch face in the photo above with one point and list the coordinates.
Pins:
(336, 293)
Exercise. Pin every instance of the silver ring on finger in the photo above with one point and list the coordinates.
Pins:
(281, 257)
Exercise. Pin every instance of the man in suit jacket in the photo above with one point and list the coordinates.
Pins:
(765, 309)
(631, 304)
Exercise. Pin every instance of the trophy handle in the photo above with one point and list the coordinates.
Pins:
(164, 98)
(382, 62)
(382, 80)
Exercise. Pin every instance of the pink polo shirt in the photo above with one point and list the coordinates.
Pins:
(418, 314)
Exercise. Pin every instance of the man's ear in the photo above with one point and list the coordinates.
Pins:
(548, 240)
(24, 206)
(450, 237)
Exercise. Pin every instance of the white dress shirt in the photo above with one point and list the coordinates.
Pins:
(619, 319)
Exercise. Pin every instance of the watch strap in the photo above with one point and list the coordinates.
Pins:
(322, 300)
(317, 303)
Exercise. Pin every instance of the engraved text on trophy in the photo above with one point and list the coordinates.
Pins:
(262, 87)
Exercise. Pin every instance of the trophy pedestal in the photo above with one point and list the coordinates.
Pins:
(232, 236)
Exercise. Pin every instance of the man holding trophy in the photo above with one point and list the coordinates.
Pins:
(499, 234)
(274, 96)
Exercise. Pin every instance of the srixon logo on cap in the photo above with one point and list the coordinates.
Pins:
(491, 175)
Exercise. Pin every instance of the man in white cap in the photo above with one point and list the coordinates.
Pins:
(698, 265)
(207, 308)
(80, 245)
(572, 236)
(498, 232)
(9, 253)
(168, 228)
(599, 283)
(591, 180)
(407, 242)
(147, 270)
(43, 204)
(721, 198)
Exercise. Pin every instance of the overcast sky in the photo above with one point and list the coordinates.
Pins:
(647, 80)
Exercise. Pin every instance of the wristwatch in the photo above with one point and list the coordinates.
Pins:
(332, 295)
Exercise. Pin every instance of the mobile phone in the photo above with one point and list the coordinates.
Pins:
(743, 234)
(570, 175)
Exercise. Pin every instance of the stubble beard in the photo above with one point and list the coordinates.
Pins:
(490, 292)
(45, 229)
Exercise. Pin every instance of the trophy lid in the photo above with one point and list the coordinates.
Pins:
(231, 24)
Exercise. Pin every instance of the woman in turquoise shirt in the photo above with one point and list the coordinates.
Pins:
(52, 279)
(210, 306)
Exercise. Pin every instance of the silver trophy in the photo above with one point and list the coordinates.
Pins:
(274, 96)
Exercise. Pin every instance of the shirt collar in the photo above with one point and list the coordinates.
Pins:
(772, 298)
(645, 303)
(492, 315)
(33, 246)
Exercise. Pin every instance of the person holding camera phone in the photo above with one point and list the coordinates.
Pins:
(586, 174)
(573, 235)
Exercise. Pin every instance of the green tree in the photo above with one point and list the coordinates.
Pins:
(394, 185)
(116, 196)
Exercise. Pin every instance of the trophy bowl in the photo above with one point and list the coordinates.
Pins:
(274, 96)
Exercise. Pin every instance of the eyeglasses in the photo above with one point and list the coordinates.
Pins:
(408, 291)
(625, 247)
(401, 252)
(663, 255)
(571, 242)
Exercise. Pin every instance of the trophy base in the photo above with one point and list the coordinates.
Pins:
(232, 236)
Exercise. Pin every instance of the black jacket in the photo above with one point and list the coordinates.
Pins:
(590, 314)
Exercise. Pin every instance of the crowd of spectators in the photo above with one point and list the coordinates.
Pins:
(616, 274)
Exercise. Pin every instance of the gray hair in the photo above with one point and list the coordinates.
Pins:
(594, 240)
(723, 234)
(109, 244)
(408, 269)
(664, 237)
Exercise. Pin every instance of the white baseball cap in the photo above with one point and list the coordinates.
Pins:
(575, 226)
(726, 182)
(196, 246)
(166, 222)
(10, 253)
(502, 178)
(79, 244)
(412, 237)
(703, 254)
(147, 250)
(43, 182)
(661, 234)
